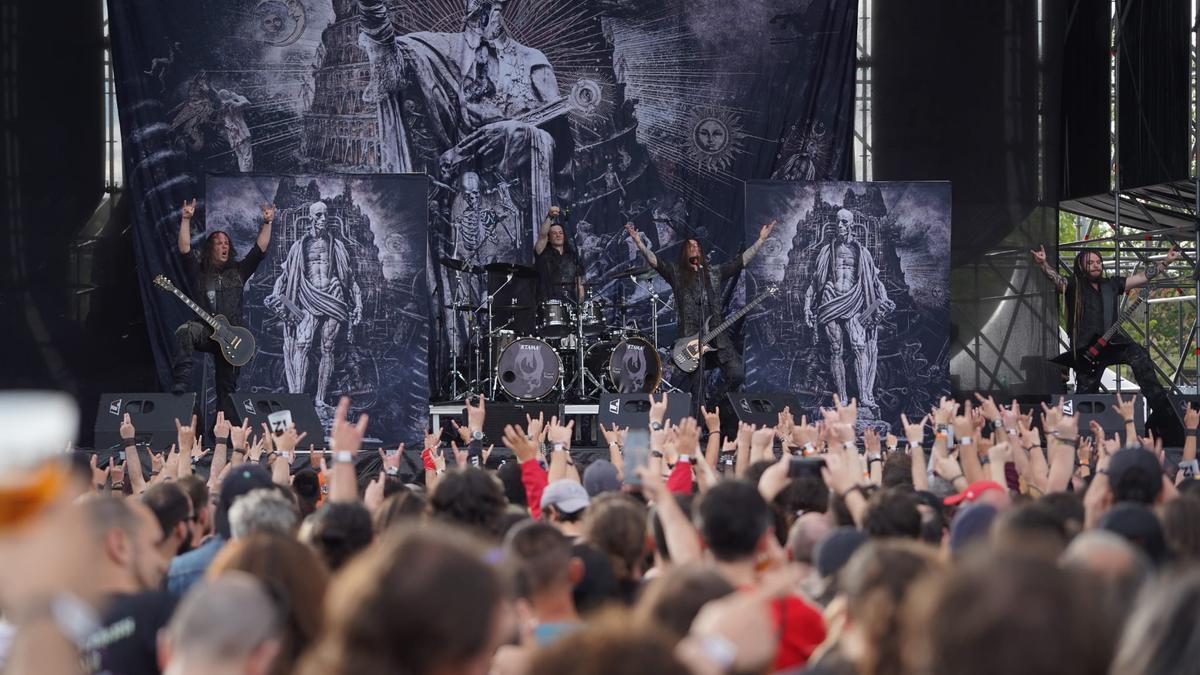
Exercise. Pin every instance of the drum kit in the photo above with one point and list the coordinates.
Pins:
(579, 349)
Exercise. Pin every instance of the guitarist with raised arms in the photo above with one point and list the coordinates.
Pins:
(218, 279)
(695, 283)
(1093, 304)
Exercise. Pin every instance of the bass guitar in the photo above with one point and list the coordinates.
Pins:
(1087, 359)
(687, 350)
(237, 343)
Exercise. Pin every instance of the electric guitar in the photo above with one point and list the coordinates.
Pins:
(237, 343)
(1087, 359)
(687, 350)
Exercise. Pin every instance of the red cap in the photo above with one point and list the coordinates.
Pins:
(973, 492)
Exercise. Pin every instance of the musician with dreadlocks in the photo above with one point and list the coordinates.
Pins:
(1093, 304)
(219, 280)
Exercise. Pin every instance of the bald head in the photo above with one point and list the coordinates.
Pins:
(808, 529)
(227, 621)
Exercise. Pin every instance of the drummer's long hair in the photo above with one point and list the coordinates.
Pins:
(568, 245)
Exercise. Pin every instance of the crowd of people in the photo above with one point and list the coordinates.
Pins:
(976, 540)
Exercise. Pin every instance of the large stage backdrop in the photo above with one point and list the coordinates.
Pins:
(654, 112)
(863, 302)
(367, 336)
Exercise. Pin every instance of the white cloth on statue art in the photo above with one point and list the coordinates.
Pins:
(851, 303)
(298, 289)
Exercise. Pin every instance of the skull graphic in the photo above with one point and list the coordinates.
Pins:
(530, 366)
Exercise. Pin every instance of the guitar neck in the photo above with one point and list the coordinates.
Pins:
(1122, 318)
(724, 325)
(204, 316)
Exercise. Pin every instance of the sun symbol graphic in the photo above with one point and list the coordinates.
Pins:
(714, 138)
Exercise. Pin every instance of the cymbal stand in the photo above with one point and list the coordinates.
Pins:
(491, 297)
(455, 373)
(654, 297)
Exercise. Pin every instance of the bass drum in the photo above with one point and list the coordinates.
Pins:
(528, 369)
(629, 366)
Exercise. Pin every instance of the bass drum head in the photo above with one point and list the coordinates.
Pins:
(634, 367)
(528, 369)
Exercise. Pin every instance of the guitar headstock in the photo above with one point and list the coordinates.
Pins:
(164, 283)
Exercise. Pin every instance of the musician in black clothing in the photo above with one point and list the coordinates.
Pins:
(697, 288)
(1093, 303)
(558, 268)
(219, 280)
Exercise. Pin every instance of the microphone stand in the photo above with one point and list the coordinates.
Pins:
(700, 385)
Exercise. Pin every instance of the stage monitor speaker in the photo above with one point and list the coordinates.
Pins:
(500, 415)
(153, 416)
(633, 410)
(762, 409)
(256, 408)
(1102, 408)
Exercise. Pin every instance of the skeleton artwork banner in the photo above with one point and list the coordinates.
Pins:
(340, 305)
(862, 309)
(655, 113)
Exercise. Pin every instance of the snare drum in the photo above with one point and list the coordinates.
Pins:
(557, 319)
(594, 322)
(528, 369)
(629, 366)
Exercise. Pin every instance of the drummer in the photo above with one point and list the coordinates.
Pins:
(558, 265)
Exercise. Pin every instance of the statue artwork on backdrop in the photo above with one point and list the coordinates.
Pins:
(863, 311)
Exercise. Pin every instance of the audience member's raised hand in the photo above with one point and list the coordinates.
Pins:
(255, 452)
(535, 427)
(157, 461)
(760, 444)
(712, 419)
(171, 463)
(464, 433)
(914, 432)
(373, 495)
(805, 435)
(847, 412)
(775, 478)
(785, 424)
(184, 435)
(347, 437)
(391, 459)
(557, 433)
(99, 476)
(476, 414)
(524, 447)
(615, 434)
(239, 435)
(287, 441)
(1126, 408)
(461, 457)
(944, 412)
(744, 434)
(988, 408)
(658, 409)
(687, 437)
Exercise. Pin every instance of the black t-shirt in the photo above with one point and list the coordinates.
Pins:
(689, 296)
(127, 644)
(1091, 320)
(557, 273)
(221, 291)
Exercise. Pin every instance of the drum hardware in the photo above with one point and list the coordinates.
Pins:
(511, 269)
(460, 265)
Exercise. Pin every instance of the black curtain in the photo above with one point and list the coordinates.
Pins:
(1153, 104)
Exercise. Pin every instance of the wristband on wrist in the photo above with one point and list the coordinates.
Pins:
(126, 442)
(656, 426)
(849, 445)
(809, 449)
(343, 456)
(560, 447)
(966, 440)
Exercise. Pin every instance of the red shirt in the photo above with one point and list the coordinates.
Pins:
(801, 630)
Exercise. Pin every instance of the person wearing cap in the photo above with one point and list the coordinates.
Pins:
(981, 491)
(188, 568)
(563, 504)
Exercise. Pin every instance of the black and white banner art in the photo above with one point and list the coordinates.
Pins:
(863, 271)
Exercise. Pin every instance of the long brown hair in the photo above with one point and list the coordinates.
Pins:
(295, 577)
(685, 266)
(1079, 275)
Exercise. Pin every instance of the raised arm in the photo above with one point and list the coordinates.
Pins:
(264, 232)
(1142, 278)
(763, 233)
(185, 227)
(1039, 259)
(641, 245)
(544, 231)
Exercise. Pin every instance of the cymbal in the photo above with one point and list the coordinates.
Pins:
(463, 308)
(498, 307)
(509, 308)
(640, 273)
(510, 268)
(460, 265)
